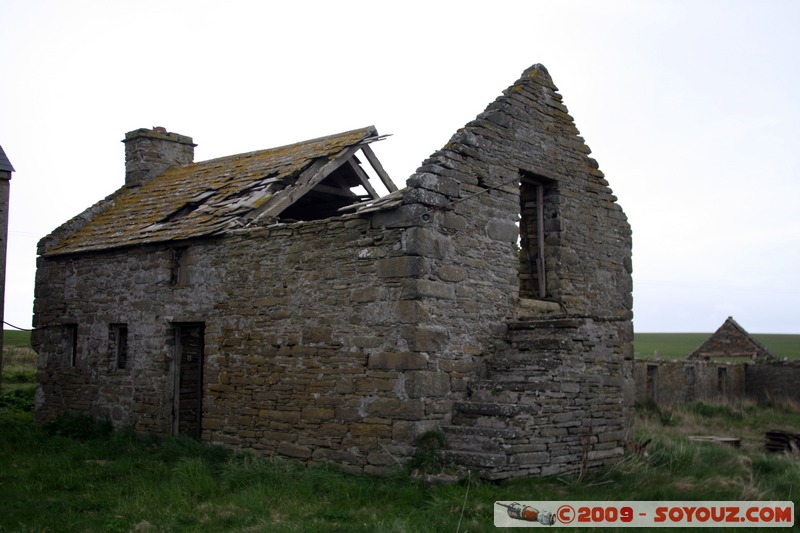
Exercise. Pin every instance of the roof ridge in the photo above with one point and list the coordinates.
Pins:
(370, 130)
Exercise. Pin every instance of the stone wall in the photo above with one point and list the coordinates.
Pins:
(343, 339)
(319, 341)
(552, 402)
(673, 382)
(773, 381)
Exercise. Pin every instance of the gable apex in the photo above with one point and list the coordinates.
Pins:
(731, 340)
(5, 164)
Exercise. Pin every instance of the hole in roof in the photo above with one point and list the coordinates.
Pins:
(181, 213)
(189, 206)
(341, 188)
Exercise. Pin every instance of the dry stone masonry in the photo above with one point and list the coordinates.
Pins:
(489, 300)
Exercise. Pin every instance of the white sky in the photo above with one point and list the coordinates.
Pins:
(691, 108)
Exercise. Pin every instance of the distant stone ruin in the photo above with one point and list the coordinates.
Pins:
(708, 375)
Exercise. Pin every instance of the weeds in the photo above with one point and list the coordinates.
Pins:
(650, 409)
(21, 399)
(92, 479)
(427, 459)
(79, 427)
(724, 411)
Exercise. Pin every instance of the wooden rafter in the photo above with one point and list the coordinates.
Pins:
(309, 179)
(363, 177)
(373, 160)
(335, 191)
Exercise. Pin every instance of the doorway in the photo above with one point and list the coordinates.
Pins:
(188, 406)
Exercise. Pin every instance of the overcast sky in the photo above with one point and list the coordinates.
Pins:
(691, 107)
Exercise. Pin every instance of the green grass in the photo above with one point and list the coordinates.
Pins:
(75, 475)
(781, 345)
(12, 337)
(19, 362)
(679, 345)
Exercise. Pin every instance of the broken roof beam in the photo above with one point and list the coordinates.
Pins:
(373, 160)
(334, 191)
(309, 179)
(362, 176)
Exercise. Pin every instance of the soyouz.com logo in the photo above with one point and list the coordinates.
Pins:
(644, 514)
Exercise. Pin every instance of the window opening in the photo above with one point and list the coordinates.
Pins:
(690, 384)
(71, 344)
(179, 268)
(537, 206)
(722, 380)
(118, 343)
(652, 381)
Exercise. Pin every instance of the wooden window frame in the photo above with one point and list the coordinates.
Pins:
(536, 266)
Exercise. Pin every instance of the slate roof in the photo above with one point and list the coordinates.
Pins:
(211, 197)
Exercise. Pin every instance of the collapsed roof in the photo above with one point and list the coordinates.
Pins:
(308, 180)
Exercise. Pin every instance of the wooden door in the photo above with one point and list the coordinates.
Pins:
(189, 381)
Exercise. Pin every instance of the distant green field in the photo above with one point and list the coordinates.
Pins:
(12, 337)
(679, 345)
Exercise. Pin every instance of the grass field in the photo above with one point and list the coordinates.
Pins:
(679, 345)
(20, 339)
(78, 475)
(19, 361)
(75, 475)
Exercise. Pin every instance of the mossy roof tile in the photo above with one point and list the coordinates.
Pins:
(204, 198)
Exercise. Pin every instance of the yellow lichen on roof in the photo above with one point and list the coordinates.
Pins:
(204, 198)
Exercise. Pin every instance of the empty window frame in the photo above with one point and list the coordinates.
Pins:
(690, 383)
(722, 381)
(652, 381)
(70, 343)
(538, 206)
(179, 266)
(118, 345)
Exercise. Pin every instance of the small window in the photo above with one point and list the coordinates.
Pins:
(70, 341)
(179, 268)
(118, 344)
(690, 384)
(722, 380)
(652, 381)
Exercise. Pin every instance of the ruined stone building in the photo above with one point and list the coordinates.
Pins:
(270, 301)
(731, 365)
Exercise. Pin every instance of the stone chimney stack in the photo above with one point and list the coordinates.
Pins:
(148, 153)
